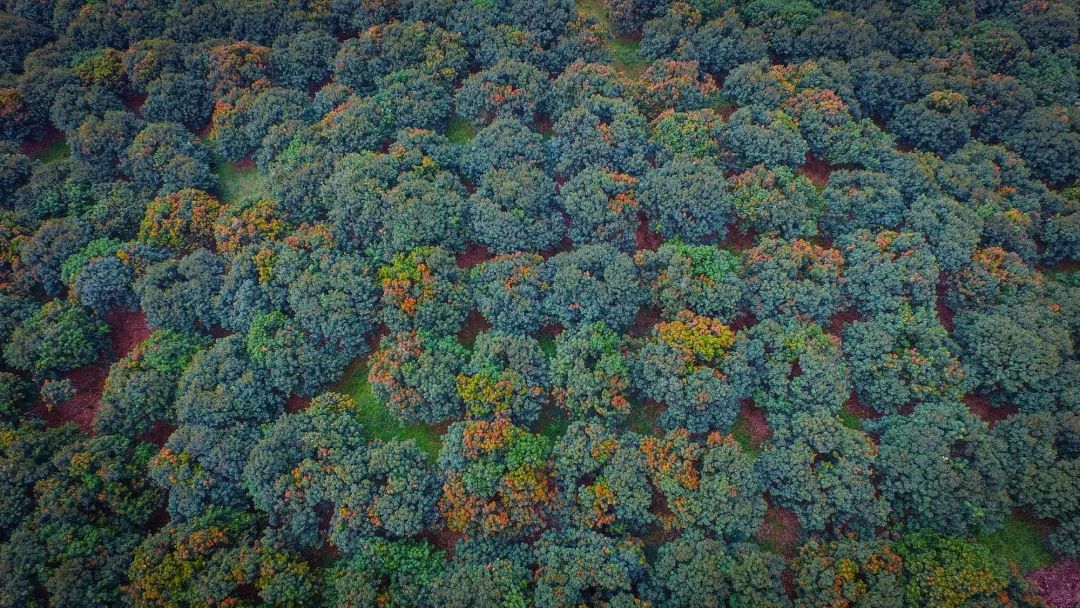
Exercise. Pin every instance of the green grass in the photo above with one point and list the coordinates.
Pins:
(741, 433)
(643, 419)
(380, 422)
(55, 151)
(547, 344)
(237, 186)
(624, 51)
(553, 423)
(850, 420)
(459, 130)
(1018, 541)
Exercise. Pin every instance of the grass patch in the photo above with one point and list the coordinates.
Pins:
(547, 344)
(850, 420)
(237, 186)
(742, 435)
(380, 422)
(1018, 541)
(57, 150)
(643, 419)
(552, 423)
(459, 130)
(624, 50)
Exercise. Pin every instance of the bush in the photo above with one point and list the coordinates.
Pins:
(179, 294)
(182, 221)
(165, 157)
(60, 336)
(416, 376)
(940, 122)
(694, 570)
(602, 132)
(849, 571)
(503, 144)
(303, 60)
(771, 137)
(592, 283)
(775, 200)
(856, 200)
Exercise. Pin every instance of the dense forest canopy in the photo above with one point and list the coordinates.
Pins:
(508, 303)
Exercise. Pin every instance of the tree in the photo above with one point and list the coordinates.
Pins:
(234, 66)
(47, 248)
(950, 572)
(592, 283)
(591, 374)
(684, 199)
(951, 229)
(101, 142)
(222, 387)
(416, 375)
(141, 387)
(240, 123)
(508, 89)
(715, 487)
(507, 375)
(503, 144)
(940, 122)
(1013, 354)
(695, 134)
(603, 478)
(902, 358)
(302, 60)
(825, 473)
(316, 464)
(182, 221)
(601, 132)
(777, 200)
(59, 336)
(848, 572)
(679, 366)
(701, 278)
(514, 210)
(941, 469)
(695, 571)
(498, 482)
(602, 207)
(164, 157)
(579, 82)
(793, 278)
(105, 284)
(483, 579)
(756, 135)
(859, 199)
(1048, 139)
(788, 367)
(426, 209)
(386, 48)
(582, 567)
(179, 294)
(676, 85)
(402, 572)
(423, 290)
(178, 98)
(888, 271)
(509, 291)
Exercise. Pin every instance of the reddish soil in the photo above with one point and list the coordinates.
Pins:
(753, 420)
(980, 406)
(737, 240)
(646, 319)
(474, 254)
(296, 403)
(839, 321)
(781, 528)
(1059, 585)
(48, 136)
(744, 320)
(126, 330)
(551, 331)
(134, 102)
(474, 324)
(444, 539)
(855, 406)
(244, 164)
(376, 336)
(543, 124)
(944, 313)
(159, 433)
(817, 170)
(645, 238)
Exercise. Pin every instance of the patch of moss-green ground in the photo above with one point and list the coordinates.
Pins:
(239, 184)
(624, 50)
(57, 150)
(459, 130)
(1018, 541)
(379, 422)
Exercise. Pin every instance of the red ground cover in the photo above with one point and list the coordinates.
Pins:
(980, 406)
(1059, 584)
(644, 238)
(34, 146)
(474, 254)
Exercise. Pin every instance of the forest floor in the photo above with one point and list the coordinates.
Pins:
(239, 182)
(624, 49)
